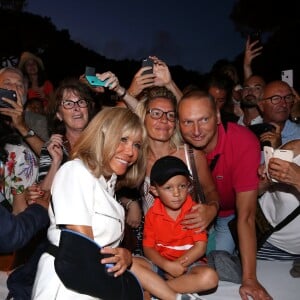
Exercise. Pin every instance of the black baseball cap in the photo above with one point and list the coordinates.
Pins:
(167, 167)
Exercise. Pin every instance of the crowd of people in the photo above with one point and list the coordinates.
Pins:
(67, 165)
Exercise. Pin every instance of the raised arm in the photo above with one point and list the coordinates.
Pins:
(251, 51)
(18, 121)
(163, 77)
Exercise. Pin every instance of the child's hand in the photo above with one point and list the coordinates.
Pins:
(175, 268)
(184, 261)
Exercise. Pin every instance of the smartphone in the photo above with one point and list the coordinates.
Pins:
(284, 154)
(259, 129)
(277, 153)
(93, 80)
(287, 76)
(256, 36)
(268, 153)
(287, 155)
(10, 94)
(147, 62)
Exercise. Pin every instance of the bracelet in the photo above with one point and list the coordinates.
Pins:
(128, 204)
(123, 94)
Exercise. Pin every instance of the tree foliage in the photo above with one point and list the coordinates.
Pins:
(62, 56)
(280, 23)
(266, 15)
(21, 31)
(14, 5)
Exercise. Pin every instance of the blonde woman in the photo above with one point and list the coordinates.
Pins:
(109, 154)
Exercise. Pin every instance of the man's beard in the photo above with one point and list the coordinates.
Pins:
(248, 104)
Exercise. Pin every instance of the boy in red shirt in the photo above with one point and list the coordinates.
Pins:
(175, 251)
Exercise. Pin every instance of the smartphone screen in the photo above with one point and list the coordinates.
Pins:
(287, 76)
(147, 62)
(10, 94)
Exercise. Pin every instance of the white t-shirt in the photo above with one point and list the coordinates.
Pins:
(277, 203)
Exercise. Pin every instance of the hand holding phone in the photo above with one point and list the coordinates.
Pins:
(259, 129)
(9, 94)
(269, 152)
(255, 36)
(93, 80)
(147, 62)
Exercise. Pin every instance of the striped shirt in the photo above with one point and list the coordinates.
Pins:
(46, 160)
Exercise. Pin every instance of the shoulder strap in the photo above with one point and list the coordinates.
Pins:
(214, 162)
(288, 219)
(198, 194)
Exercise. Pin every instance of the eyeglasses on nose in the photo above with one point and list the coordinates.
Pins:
(69, 104)
(276, 99)
(156, 114)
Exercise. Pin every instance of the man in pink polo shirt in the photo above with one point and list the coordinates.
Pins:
(233, 153)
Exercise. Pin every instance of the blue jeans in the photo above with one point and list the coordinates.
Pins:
(222, 235)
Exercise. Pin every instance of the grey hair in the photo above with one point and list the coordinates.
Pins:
(17, 71)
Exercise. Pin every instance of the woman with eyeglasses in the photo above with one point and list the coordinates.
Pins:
(69, 113)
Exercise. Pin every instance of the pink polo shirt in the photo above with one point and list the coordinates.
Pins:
(237, 165)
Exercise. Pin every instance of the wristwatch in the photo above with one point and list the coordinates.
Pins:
(29, 134)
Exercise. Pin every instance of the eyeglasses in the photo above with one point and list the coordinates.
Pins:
(69, 104)
(156, 114)
(276, 99)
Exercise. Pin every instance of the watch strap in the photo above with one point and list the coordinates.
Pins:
(29, 134)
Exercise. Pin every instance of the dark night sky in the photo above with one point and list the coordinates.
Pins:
(194, 34)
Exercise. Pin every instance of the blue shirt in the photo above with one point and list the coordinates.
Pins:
(291, 131)
(16, 231)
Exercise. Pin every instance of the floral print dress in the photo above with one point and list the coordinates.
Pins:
(20, 170)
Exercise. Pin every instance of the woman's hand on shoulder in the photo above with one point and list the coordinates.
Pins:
(200, 216)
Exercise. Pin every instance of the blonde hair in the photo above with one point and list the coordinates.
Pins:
(99, 140)
(143, 106)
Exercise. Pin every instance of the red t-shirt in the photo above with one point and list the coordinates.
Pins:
(166, 235)
(47, 89)
(236, 168)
